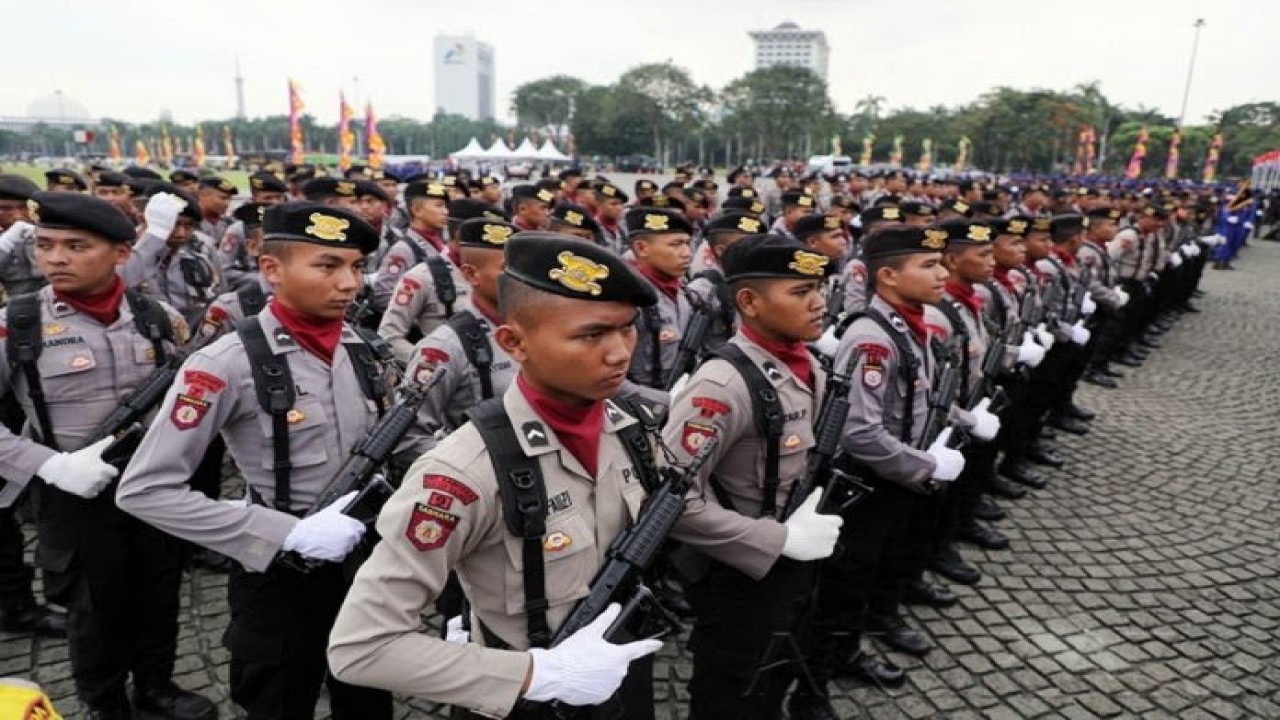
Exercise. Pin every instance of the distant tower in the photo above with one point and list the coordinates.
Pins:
(239, 91)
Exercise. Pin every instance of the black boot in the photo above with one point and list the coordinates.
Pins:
(983, 537)
(895, 632)
(1000, 486)
(167, 701)
(1080, 413)
(986, 509)
(1019, 470)
(870, 670)
(1042, 454)
(33, 618)
(1069, 424)
(919, 592)
(951, 566)
(1097, 377)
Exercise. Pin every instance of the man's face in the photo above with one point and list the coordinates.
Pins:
(268, 197)
(574, 350)
(1010, 251)
(390, 187)
(315, 280)
(481, 268)
(372, 209)
(668, 253)
(784, 308)
(792, 213)
(492, 194)
(431, 213)
(695, 212)
(895, 184)
(253, 241)
(973, 263)
(784, 182)
(189, 185)
(535, 213)
(828, 242)
(611, 209)
(183, 230)
(213, 201)
(1102, 230)
(75, 261)
(118, 196)
(11, 211)
(921, 278)
(1038, 245)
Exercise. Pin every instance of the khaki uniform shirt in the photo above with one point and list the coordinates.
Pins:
(857, 286)
(1102, 283)
(396, 262)
(447, 515)
(415, 303)
(214, 393)
(673, 317)
(157, 270)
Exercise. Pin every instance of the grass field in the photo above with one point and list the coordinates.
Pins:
(239, 178)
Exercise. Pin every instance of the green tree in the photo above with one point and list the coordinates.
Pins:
(671, 102)
(547, 105)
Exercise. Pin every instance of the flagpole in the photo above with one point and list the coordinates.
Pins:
(1186, 92)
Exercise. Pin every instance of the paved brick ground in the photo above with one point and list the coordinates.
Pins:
(1143, 582)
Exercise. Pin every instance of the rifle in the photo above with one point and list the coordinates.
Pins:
(1077, 294)
(829, 427)
(359, 472)
(621, 578)
(125, 422)
(1051, 301)
(690, 345)
(835, 304)
(945, 392)
(1028, 313)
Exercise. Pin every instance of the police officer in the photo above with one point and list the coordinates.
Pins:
(795, 205)
(568, 308)
(660, 243)
(264, 189)
(172, 261)
(214, 195)
(299, 350)
(1104, 289)
(707, 290)
(19, 273)
(531, 206)
(250, 296)
(64, 180)
(428, 206)
(610, 205)
(758, 580)
(89, 343)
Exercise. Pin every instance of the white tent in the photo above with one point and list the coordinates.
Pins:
(526, 151)
(471, 152)
(497, 151)
(548, 151)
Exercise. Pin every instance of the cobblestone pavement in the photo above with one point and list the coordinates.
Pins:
(1143, 582)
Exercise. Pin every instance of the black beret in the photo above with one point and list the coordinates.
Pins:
(426, 189)
(1018, 225)
(1069, 223)
(486, 233)
(17, 187)
(747, 192)
(642, 221)
(734, 222)
(734, 173)
(76, 211)
(574, 268)
(899, 239)
(468, 208)
(745, 204)
(134, 171)
(381, 174)
(449, 180)
(918, 209)
(696, 197)
(772, 256)
(958, 206)
(881, 213)
(643, 184)
(1041, 224)
(140, 185)
(485, 181)
(520, 193)
(356, 172)
(251, 214)
(673, 186)
(110, 178)
(887, 199)
(65, 178)
(321, 224)
(191, 209)
(552, 184)
(366, 188)
(1104, 213)
(328, 187)
(962, 232)
(663, 201)
(570, 172)
(815, 223)
(706, 184)
(575, 216)
(266, 182)
(845, 202)
(218, 183)
(1155, 210)
(181, 176)
(983, 207)
(609, 191)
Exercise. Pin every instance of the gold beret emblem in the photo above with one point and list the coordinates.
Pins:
(656, 222)
(1042, 224)
(979, 233)
(327, 227)
(748, 192)
(960, 206)
(257, 183)
(661, 201)
(807, 263)
(436, 189)
(892, 213)
(805, 201)
(495, 234)
(831, 222)
(573, 217)
(608, 190)
(1017, 227)
(33, 209)
(545, 195)
(579, 274)
(748, 224)
(935, 239)
(346, 188)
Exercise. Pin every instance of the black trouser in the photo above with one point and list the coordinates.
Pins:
(1014, 417)
(1042, 391)
(15, 576)
(1106, 338)
(962, 496)
(1073, 366)
(871, 537)
(278, 638)
(118, 578)
(736, 620)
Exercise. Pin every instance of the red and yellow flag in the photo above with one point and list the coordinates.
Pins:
(295, 123)
(1171, 165)
(373, 139)
(1211, 162)
(228, 147)
(140, 154)
(113, 152)
(926, 155)
(895, 155)
(198, 150)
(1139, 152)
(962, 157)
(346, 138)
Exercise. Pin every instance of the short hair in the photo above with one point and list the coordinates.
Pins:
(1064, 234)
(280, 249)
(893, 262)
(518, 301)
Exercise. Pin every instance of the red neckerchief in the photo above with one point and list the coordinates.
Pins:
(792, 354)
(967, 296)
(520, 223)
(454, 256)
(914, 317)
(485, 312)
(1067, 258)
(579, 427)
(432, 237)
(670, 286)
(610, 226)
(1002, 276)
(317, 336)
(103, 307)
(212, 218)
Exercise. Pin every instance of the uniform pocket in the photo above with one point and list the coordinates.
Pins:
(569, 557)
(306, 424)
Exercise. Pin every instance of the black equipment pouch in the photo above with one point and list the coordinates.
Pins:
(475, 343)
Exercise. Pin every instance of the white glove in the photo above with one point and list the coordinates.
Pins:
(1186, 251)
(454, 632)
(1029, 353)
(810, 535)
(1080, 334)
(1088, 306)
(327, 535)
(9, 238)
(828, 343)
(1211, 240)
(986, 425)
(1194, 249)
(1044, 337)
(1175, 260)
(1122, 298)
(678, 386)
(585, 669)
(949, 463)
(162, 213)
(81, 472)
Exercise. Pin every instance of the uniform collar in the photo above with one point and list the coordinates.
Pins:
(281, 341)
(537, 439)
(60, 308)
(775, 371)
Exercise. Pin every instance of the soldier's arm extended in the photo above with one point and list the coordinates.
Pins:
(377, 639)
(716, 403)
(154, 487)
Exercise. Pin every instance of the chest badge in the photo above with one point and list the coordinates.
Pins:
(557, 541)
(52, 329)
(80, 362)
(295, 416)
(792, 441)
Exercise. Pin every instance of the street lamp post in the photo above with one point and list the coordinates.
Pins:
(1186, 92)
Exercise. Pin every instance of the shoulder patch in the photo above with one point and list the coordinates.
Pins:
(407, 289)
(203, 381)
(695, 434)
(188, 411)
(710, 407)
(443, 483)
(430, 527)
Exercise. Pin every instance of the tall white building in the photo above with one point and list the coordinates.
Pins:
(464, 76)
(787, 44)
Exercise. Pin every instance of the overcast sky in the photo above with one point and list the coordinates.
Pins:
(131, 59)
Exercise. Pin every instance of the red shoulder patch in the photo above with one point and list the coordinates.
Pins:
(710, 407)
(464, 494)
(873, 351)
(429, 528)
(406, 290)
(216, 313)
(203, 381)
(434, 355)
(695, 434)
(188, 411)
